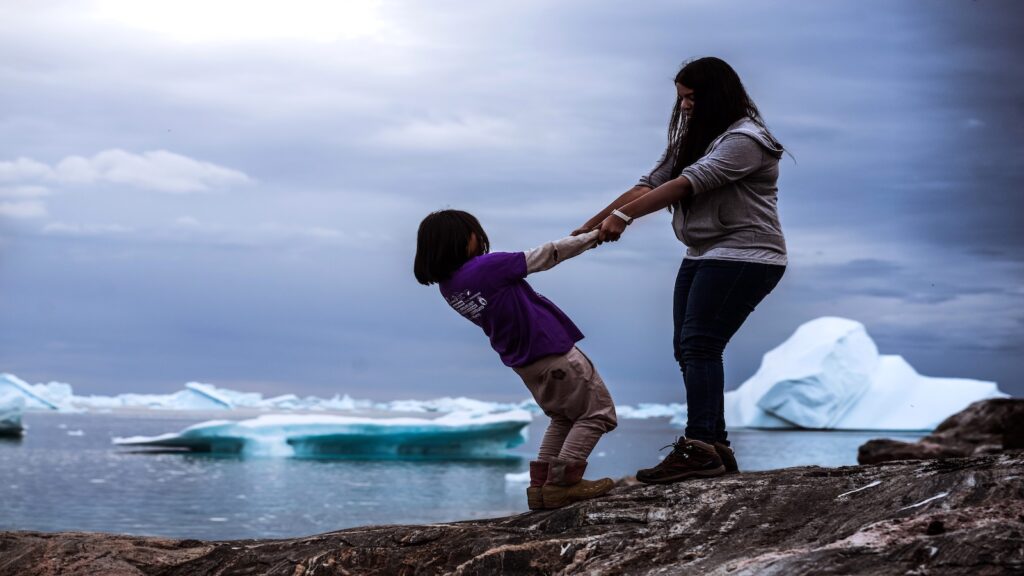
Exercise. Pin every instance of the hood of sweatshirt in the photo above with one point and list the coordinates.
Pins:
(748, 127)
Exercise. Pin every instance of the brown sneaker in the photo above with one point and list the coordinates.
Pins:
(566, 485)
(538, 476)
(688, 459)
(728, 458)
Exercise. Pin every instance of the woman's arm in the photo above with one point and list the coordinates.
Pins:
(623, 199)
(663, 196)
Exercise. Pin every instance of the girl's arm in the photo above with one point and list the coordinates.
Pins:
(548, 255)
(663, 196)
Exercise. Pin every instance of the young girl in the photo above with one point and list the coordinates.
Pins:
(532, 336)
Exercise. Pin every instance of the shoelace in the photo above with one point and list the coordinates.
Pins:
(676, 450)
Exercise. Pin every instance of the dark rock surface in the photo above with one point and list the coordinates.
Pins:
(985, 427)
(951, 516)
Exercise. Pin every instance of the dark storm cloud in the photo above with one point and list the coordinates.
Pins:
(900, 209)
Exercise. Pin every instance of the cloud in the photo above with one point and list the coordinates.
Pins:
(198, 21)
(156, 170)
(190, 230)
(26, 209)
(80, 230)
(23, 169)
(464, 134)
(23, 191)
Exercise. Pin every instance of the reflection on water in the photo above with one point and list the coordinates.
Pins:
(65, 475)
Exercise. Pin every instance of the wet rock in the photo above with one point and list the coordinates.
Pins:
(985, 427)
(949, 516)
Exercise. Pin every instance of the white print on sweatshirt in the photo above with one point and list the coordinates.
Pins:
(468, 304)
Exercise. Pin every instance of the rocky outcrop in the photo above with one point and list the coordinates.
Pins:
(984, 427)
(951, 516)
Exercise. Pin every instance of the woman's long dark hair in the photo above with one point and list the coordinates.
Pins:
(442, 244)
(719, 100)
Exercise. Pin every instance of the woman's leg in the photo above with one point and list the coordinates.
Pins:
(719, 295)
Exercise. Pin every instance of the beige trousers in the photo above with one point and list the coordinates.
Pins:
(570, 391)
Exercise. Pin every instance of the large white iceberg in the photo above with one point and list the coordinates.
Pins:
(11, 406)
(829, 375)
(455, 435)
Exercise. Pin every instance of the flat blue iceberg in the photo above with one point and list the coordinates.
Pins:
(455, 435)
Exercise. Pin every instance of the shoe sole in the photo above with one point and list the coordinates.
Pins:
(715, 472)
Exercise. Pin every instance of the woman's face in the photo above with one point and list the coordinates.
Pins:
(474, 245)
(685, 99)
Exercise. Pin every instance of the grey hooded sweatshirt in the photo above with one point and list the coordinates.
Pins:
(732, 214)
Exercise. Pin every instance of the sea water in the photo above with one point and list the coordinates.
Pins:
(65, 475)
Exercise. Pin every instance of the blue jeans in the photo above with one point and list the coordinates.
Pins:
(712, 300)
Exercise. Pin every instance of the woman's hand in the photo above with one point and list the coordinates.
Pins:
(611, 229)
(582, 230)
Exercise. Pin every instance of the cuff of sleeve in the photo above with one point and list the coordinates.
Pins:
(694, 181)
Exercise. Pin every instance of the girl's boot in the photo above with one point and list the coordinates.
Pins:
(538, 476)
(565, 484)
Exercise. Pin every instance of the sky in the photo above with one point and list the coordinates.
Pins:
(228, 191)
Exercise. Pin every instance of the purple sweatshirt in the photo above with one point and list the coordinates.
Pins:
(523, 326)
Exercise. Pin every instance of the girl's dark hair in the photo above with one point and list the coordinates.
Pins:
(442, 242)
(719, 100)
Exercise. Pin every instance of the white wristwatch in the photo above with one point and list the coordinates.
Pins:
(626, 219)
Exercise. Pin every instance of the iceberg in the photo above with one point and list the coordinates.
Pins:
(454, 435)
(829, 375)
(646, 410)
(37, 397)
(11, 406)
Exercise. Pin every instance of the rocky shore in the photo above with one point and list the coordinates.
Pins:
(949, 516)
(984, 427)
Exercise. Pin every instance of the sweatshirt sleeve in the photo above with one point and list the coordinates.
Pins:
(735, 157)
(547, 255)
(659, 174)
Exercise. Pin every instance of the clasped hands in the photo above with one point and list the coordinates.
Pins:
(611, 229)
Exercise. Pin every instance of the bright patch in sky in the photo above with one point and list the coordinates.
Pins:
(196, 21)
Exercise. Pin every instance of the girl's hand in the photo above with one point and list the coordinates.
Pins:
(611, 229)
(581, 230)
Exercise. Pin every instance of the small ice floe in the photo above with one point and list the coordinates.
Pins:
(455, 435)
(97, 481)
(217, 519)
(602, 454)
(11, 407)
(520, 478)
(865, 487)
(923, 502)
(76, 432)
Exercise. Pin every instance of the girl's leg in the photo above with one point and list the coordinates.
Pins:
(588, 404)
(571, 392)
(719, 295)
(554, 437)
(545, 379)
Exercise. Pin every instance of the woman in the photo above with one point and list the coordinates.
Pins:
(718, 177)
